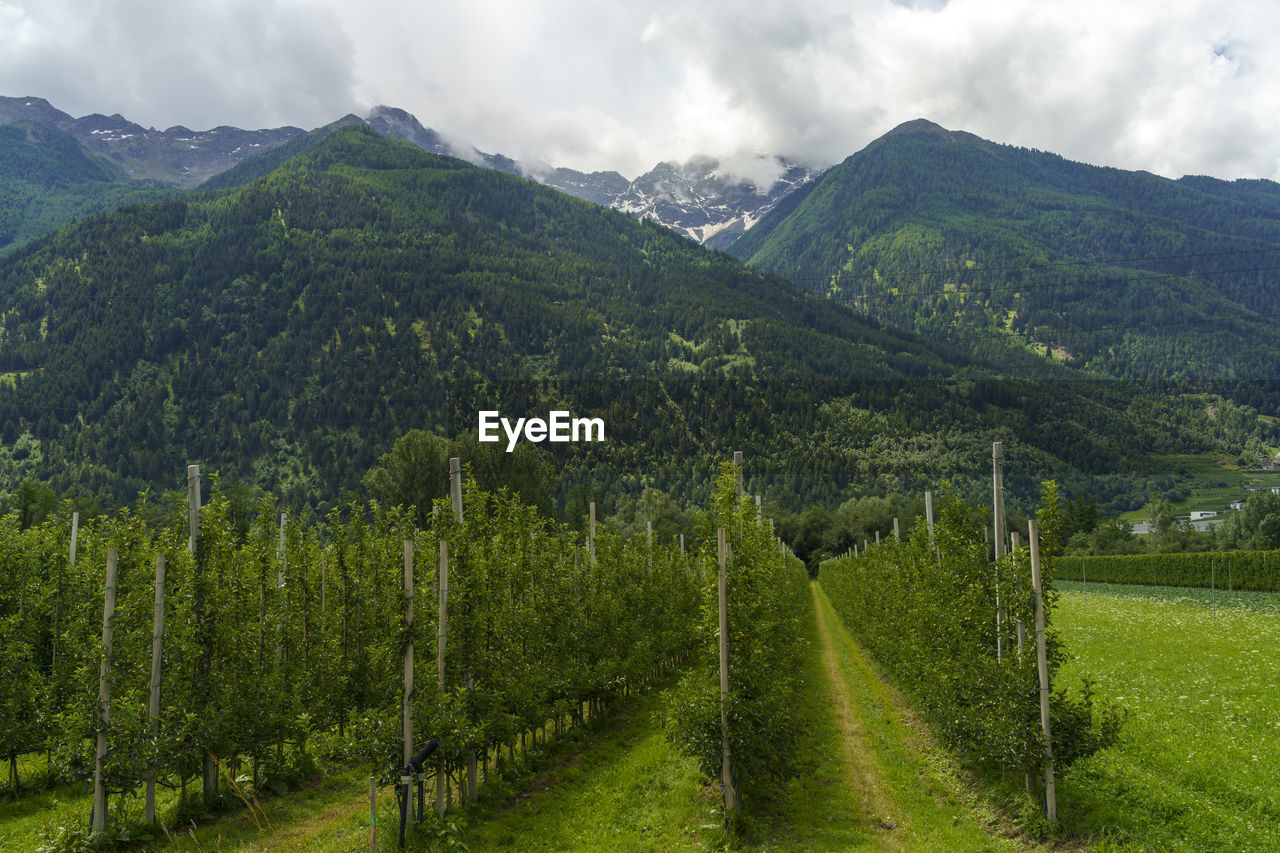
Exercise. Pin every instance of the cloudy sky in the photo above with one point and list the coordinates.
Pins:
(1174, 87)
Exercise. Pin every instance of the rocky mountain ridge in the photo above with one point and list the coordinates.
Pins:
(177, 155)
(695, 199)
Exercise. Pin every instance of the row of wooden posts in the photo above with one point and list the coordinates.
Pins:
(98, 821)
(732, 801)
(999, 550)
(98, 816)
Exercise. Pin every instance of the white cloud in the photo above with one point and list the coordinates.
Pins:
(238, 62)
(1187, 87)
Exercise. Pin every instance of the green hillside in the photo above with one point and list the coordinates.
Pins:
(1126, 273)
(285, 332)
(47, 179)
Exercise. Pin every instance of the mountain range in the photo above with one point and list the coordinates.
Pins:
(289, 317)
(695, 198)
(286, 329)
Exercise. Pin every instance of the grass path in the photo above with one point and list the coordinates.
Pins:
(902, 791)
(865, 776)
(872, 781)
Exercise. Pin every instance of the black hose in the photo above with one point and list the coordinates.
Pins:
(422, 755)
(404, 794)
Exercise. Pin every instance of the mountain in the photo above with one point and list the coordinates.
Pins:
(286, 330)
(47, 178)
(700, 201)
(695, 199)
(603, 188)
(1124, 273)
(55, 168)
(177, 155)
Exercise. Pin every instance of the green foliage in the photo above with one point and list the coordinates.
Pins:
(1255, 570)
(410, 474)
(275, 638)
(767, 594)
(942, 619)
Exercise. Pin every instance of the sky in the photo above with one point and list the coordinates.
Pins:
(1174, 87)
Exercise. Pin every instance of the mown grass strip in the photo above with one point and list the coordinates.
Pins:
(930, 805)
(629, 790)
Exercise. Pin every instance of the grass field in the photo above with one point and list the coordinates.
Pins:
(1198, 767)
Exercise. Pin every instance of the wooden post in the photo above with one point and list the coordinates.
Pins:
(455, 493)
(897, 535)
(648, 526)
(210, 784)
(1042, 667)
(928, 512)
(473, 778)
(373, 814)
(283, 558)
(997, 491)
(877, 537)
(281, 574)
(442, 636)
(153, 706)
(591, 533)
(406, 707)
(57, 606)
(193, 506)
(759, 511)
(738, 479)
(1022, 631)
(726, 772)
(455, 487)
(99, 822)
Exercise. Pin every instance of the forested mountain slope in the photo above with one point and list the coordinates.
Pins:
(287, 330)
(48, 178)
(954, 237)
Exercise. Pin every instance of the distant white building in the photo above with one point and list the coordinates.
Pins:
(1196, 516)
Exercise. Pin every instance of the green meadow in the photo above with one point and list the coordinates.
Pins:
(1198, 766)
